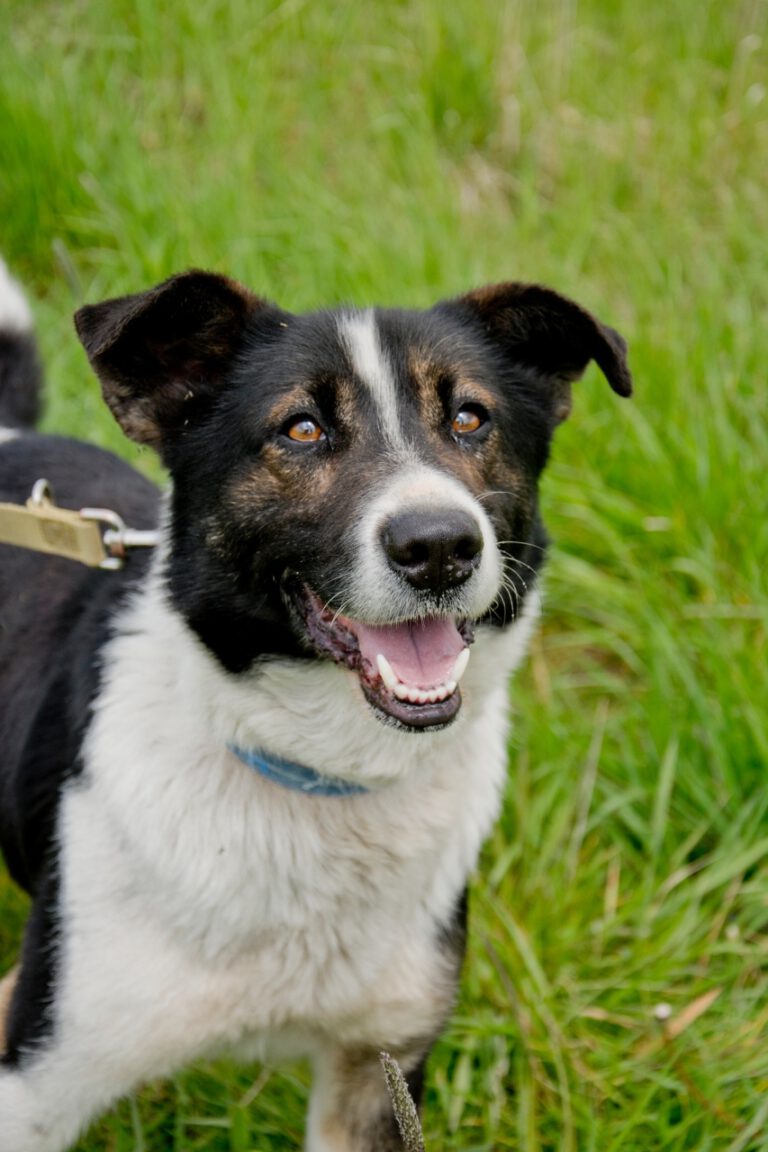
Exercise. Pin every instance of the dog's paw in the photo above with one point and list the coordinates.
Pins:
(24, 1125)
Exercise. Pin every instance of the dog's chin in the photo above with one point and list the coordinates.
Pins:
(409, 671)
(396, 713)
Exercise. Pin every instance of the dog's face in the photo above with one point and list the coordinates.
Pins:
(359, 486)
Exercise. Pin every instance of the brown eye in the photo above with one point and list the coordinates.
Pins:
(305, 430)
(468, 420)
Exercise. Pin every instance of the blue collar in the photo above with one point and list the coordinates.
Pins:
(297, 777)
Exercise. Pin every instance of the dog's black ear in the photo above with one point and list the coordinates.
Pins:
(535, 326)
(161, 355)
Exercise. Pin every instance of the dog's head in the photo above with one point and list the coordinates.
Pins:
(355, 485)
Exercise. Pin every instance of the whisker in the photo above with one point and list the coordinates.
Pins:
(520, 578)
(525, 544)
(495, 492)
(522, 564)
(329, 605)
(512, 595)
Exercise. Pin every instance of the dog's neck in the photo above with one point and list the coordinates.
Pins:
(311, 713)
(295, 777)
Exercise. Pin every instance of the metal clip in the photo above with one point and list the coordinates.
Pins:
(118, 538)
(41, 494)
(97, 537)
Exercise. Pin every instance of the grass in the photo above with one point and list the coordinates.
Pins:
(398, 152)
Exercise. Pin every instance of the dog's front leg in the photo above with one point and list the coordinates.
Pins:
(50, 1093)
(350, 1109)
(91, 1034)
(46, 1102)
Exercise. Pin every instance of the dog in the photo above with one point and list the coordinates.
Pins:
(245, 778)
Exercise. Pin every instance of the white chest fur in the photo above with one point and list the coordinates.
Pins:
(242, 910)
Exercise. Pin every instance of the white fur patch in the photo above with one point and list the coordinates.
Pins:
(359, 335)
(15, 314)
(377, 594)
(206, 908)
(7, 434)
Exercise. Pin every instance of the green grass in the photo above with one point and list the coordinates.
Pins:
(397, 152)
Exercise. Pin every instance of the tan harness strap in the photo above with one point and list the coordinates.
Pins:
(7, 985)
(58, 531)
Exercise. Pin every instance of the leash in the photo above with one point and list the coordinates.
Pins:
(97, 537)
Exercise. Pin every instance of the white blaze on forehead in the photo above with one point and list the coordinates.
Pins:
(359, 334)
(15, 315)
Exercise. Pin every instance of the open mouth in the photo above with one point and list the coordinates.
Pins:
(409, 671)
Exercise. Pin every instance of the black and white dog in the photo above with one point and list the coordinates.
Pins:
(239, 777)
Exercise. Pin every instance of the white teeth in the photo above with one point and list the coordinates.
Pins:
(387, 673)
(460, 666)
(419, 695)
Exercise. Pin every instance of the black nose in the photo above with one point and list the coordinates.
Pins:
(433, 550)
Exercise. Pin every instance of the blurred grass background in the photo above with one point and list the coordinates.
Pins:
(395, 152)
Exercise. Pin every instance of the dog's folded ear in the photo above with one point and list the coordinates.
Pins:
(534, 326)
(162, 355)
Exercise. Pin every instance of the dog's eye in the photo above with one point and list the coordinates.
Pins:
(469, 419)
(304, 430)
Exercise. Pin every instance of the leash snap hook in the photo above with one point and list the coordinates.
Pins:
(117, 537)
(113, 538)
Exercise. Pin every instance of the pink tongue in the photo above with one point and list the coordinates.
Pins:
(422, 653)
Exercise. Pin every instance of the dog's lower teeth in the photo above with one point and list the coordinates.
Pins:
(413, 695)
(420, 696)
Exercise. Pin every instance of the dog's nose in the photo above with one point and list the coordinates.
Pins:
(433, 550)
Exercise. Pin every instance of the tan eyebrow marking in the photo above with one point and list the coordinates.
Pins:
(295, 402)
(427, 372)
